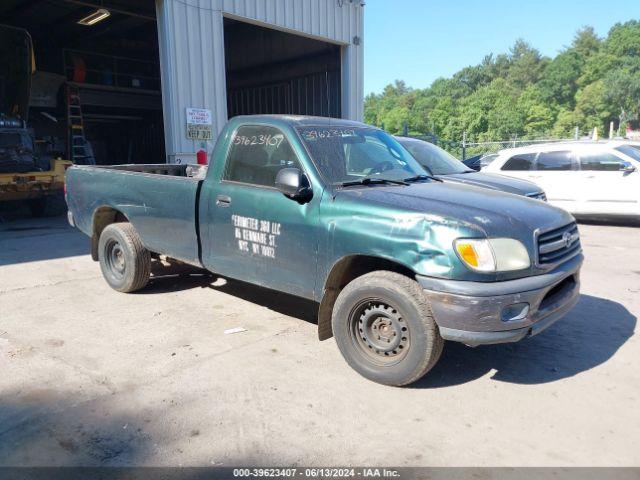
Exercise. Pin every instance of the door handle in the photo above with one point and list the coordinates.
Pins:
(223, 200)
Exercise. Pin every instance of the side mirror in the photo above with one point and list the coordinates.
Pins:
(627, 167)
(293, 184)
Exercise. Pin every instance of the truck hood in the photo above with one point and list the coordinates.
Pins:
(495, 213)
(494, 182)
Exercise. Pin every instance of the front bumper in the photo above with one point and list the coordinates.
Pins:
(478, 313)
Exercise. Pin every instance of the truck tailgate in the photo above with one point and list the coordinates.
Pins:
(162, 208)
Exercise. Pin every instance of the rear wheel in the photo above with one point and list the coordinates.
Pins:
(125, 263)
(384, 328)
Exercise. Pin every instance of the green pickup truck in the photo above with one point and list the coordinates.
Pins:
(340, 213)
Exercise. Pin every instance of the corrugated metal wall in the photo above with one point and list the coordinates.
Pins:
(191, 37)
(309, 95)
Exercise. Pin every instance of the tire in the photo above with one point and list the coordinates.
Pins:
(384, 328)
(49, 206)
(125, 263)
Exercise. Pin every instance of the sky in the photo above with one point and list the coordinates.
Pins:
(420, 40)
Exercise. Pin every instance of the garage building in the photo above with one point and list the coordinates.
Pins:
(153, 79)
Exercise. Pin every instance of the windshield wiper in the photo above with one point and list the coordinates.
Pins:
(417, 178)
(372, 181)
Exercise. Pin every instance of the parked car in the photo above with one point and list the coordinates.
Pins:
(340, 213)
(477, 162)
(584, 178)
(445, 166)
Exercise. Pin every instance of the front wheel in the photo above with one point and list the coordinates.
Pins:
(385, 330)
(125, 263)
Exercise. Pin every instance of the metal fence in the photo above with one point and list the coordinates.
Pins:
(452, 146)
(471, 149)
(465, 149)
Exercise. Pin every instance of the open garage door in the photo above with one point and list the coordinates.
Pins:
(95, 94)
(270, 71)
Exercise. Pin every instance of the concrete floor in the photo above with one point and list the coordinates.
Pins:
(89, 376)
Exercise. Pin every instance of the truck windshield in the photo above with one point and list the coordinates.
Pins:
(434, 158)
(346, 155)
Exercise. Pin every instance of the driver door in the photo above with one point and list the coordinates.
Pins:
(255, 233)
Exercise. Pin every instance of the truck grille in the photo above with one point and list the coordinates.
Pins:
(556, 246)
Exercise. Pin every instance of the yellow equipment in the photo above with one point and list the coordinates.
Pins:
(33, 185)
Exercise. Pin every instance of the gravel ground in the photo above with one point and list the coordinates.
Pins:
(94, 377)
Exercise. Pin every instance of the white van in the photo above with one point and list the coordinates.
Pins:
(585, 178)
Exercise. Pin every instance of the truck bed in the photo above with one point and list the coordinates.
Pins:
(189, 171)
(159, 200)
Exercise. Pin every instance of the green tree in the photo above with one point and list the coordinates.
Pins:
(622, 93)
(526, 64)
(522, 93)
(596, 67)
(395, 119)
(371, 109)
(565, 124)
(539, 116)
(586, 42)
(559, 82)
(624, 39)
(592, 109)
(488, 112)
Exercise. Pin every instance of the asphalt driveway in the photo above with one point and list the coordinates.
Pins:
(90, 376)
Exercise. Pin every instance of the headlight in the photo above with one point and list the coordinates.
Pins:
(493, 254)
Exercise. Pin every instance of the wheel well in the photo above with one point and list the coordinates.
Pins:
(102, 217)
(343, 272)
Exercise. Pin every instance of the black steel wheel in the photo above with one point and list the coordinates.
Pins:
(380, 331)
(384, 328)
(115, 258)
